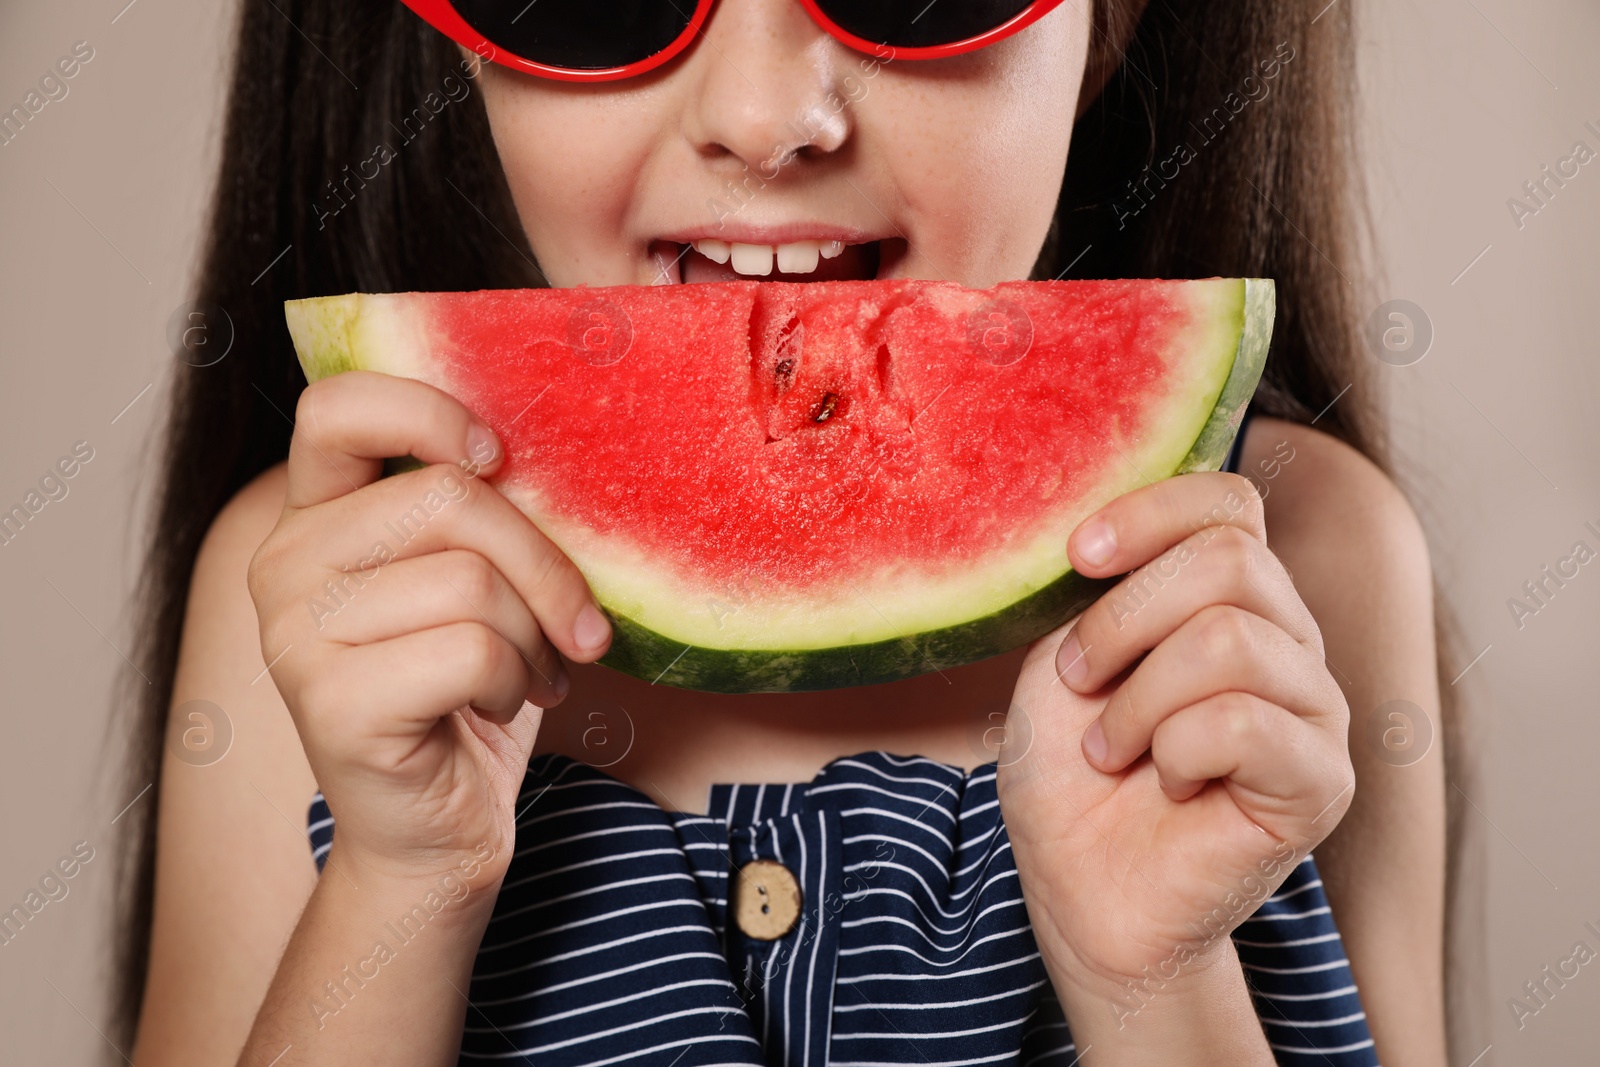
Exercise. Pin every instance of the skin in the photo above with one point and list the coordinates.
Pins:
(1207, 734)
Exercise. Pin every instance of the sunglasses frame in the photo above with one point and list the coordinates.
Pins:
(443, 16)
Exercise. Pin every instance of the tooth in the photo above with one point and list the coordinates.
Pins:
(830, 249)
(752, 259)
(716, 251)
(799, 257)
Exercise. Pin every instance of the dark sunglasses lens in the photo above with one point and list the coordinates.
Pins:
(579, 34)
(921, 23)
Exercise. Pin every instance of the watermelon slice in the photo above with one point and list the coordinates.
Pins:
(778, 487)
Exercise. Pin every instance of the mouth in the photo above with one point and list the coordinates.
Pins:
(819, 259)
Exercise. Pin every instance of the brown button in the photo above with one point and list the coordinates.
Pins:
(766, 900)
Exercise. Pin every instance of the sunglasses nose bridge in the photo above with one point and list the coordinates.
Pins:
(794, 24)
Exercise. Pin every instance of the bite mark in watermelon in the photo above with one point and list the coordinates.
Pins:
(777, 487)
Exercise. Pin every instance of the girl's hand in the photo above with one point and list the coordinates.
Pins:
(407, 620)
(1153, 809)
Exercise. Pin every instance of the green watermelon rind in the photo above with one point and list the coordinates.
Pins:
(1210, 450)
(324, 333)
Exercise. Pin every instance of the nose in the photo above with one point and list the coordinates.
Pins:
(766, 86)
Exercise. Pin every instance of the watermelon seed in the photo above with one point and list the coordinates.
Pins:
(787, 347)
(829, 402)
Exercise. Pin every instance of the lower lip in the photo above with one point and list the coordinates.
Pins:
(674, 263)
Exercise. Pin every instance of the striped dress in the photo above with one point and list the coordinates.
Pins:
(612, 939)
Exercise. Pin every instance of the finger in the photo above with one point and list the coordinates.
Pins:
(1219, 650)
(1137, 526)
(457, 585)
(439, 508)
(1274, 761)
(404, 685)
(346, 425)
(1218, 565)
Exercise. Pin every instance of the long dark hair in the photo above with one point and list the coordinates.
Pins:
(317, 85)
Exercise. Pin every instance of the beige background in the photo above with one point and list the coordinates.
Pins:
(100, 203)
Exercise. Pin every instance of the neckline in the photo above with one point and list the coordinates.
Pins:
(558, 765)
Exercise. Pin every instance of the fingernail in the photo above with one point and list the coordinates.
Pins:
(482, 445)
(1070, 663)
(591, 629)
(562, 685)
(1094, 743)
(1096, 543)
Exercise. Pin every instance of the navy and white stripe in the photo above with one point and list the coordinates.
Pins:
(611, 941)
(1296, 967)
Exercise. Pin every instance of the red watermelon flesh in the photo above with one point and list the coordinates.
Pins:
(781, 486)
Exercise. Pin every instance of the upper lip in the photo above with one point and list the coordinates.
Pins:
(787, 233)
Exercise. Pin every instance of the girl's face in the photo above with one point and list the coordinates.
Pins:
(771, 150)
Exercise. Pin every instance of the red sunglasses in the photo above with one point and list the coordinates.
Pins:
(604, 40)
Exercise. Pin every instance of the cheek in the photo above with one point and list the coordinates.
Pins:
(980, 160)
(981, 167)
(573, 169)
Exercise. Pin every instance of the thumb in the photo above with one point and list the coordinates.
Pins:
(1039, 683)
(1047, 718)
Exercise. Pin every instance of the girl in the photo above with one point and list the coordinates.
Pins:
(526, 857)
